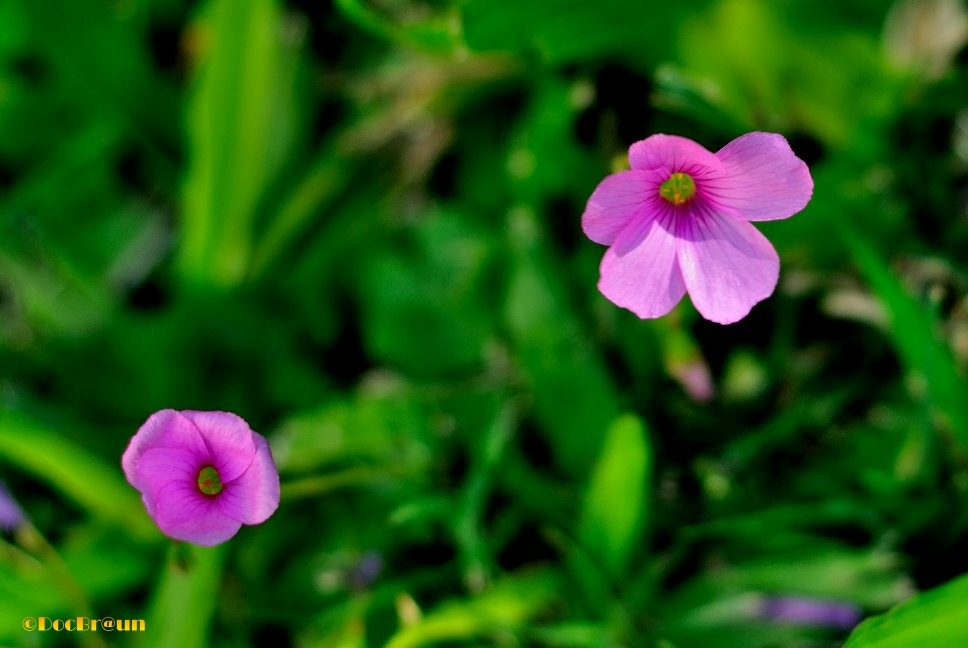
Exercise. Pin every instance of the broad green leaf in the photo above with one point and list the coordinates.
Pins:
(933, 618)
(616, 506)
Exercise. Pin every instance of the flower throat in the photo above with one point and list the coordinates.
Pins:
(678, 189)
(208, 481)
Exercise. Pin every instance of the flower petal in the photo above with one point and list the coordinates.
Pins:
(763, 179)
(728, 266)
(229, 439)
(159, 467)
(640, 271)
(185, 513)
(673, 154)
(616, 201)
(164, 429)
(254, 496)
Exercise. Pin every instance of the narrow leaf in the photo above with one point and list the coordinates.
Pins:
(238, 127)
(184, 602)
(615, 506)
(81, 476)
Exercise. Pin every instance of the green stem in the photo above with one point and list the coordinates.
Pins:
(322, 484)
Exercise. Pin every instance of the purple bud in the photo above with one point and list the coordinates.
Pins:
(11, 514)
(795, 610)
(366, 571)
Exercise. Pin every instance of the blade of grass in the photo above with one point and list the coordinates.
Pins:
(913, 331)
(470, 513)
(83, 477)
(326, 179)
(237, 127)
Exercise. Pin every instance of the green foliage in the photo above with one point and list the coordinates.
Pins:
(574, 30)
(186, 597)
(609, 527)
(67, 466)
(935, 617)
(503, 608)
(242, 122)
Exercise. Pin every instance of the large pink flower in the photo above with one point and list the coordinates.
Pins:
(678, 221)
(202, 475)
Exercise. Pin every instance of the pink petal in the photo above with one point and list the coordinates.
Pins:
(728, 266)
(185, 513)
(159, 467)
(254, 496)
(640, 272)
(164, 429)
(672, 154)
(616, 201)
(229, 439)
(763, 179)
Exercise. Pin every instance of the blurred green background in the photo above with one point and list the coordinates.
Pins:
(356, 223)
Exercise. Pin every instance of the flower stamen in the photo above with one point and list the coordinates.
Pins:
(208, 481)
(678, 189)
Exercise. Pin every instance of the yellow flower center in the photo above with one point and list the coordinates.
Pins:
(678, 189)
(208, 481)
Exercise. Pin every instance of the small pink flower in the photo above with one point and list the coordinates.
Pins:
(202, 475)
(678, 221)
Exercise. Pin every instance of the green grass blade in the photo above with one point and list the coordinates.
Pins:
(236, 136)
(83, 477)
(913, 331)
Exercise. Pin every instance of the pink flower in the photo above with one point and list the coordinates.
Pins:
(202, 475)
(678, 221)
